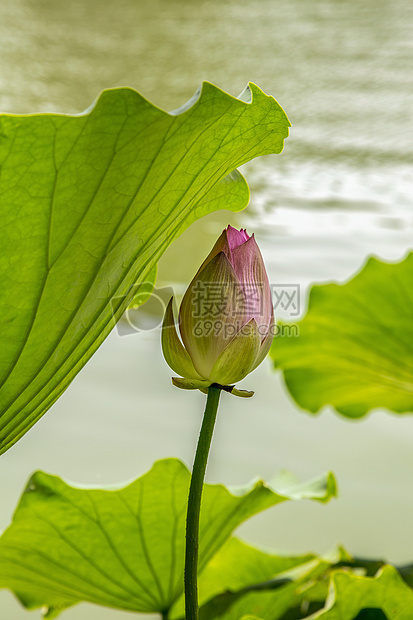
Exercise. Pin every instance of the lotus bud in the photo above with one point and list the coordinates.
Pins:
(226, 318)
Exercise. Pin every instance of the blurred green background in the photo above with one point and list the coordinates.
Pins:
(341, 190)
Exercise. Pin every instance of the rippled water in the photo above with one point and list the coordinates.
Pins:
(341, 191)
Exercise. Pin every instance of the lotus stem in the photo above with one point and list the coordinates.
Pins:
(194, 503)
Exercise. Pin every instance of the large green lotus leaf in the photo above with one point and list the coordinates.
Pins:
(354, 350)
(88, 204)
(349, 597)
(407, 573)
(350, 594)
(123, 548)
(330, 588)
(265, 604)
(265, 585)
(238, 566)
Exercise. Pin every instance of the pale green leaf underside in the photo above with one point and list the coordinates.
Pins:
(350, 594)
(123, 548)
(266, 586)
(341, 597)
(354, 350)
(238, 566)
(263, 584)
(88, 204)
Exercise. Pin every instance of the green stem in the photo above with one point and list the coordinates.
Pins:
(194, 503)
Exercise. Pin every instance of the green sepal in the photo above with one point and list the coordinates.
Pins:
(242, 393)
(191, 384)
(175, 354)
(231, 389)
